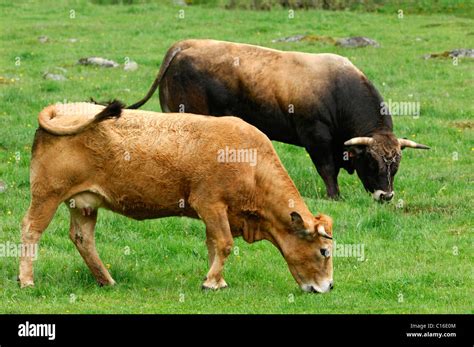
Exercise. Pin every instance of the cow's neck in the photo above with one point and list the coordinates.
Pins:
(273, 215)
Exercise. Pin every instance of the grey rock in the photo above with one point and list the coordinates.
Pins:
(98, 61)
(43, 39)
(462, 53)
(455, 53)
(357, 41)
(53, 77)
(130, 66)
(293, 38)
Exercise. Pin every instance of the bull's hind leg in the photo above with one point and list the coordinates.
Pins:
(219, 243)
(83, 219)
(36, 220)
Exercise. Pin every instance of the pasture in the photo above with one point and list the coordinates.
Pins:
(417, 251)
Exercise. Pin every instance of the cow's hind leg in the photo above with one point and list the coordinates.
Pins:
(83, 220)
(36, 220)
(219, 243)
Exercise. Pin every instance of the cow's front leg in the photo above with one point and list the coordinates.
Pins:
(219, 243)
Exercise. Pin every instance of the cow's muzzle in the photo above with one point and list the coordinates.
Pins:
(325, 287)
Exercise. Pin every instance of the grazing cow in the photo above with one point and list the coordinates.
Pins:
(318, 101)
(148, 165)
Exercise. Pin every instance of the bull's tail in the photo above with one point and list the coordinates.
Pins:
(164, 66)
(70, 119)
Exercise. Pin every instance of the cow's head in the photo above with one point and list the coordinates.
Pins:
(376, 160)
(308, 252)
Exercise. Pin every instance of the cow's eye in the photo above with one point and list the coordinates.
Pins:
(325, 252)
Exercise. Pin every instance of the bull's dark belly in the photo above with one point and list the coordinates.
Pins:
(274, 130)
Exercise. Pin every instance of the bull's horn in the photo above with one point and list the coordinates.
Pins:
(359, 141)
(412, 144)
(323, 233)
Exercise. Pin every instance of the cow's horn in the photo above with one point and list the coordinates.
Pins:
(412, 144)
(359, 141)
(323, 233)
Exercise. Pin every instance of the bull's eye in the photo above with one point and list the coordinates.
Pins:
(325, 252)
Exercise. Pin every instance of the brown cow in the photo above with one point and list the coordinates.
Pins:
(149, 165)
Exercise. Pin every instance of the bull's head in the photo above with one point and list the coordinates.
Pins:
(308, 252)
(376, 160)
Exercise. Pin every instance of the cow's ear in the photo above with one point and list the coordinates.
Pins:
(324, 225)
(297, 224)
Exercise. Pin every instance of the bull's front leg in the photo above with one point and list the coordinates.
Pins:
(219, 243)
(323, 159)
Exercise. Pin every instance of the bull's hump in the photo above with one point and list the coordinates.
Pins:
(235, 47)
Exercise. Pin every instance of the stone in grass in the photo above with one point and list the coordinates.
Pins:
(43, 39)
(53, 76)
(130, 66)
(293, 38)
(72, 40)
(307, 38)
(98, 61)
(3, 186)
(356, 41)
(455, 53)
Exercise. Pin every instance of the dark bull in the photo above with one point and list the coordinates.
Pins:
(321, 102)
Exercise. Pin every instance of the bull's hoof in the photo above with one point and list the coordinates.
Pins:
(336, 197)
(106, 283)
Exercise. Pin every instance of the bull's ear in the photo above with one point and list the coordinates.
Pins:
(355, 151)
(297, 224)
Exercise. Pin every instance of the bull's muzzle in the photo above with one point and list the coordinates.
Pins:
(382, 196)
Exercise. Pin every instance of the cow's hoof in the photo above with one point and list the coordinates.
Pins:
(26, 284)
(214, 285)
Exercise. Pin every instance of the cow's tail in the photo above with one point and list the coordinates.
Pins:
(164, 67)
(70, 119)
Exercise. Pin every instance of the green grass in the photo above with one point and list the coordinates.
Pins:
(410, 251)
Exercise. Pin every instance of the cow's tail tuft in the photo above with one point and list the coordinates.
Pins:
(112, 110)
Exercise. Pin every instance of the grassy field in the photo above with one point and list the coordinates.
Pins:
(418, 250)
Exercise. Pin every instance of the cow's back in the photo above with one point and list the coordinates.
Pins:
(145, 163)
